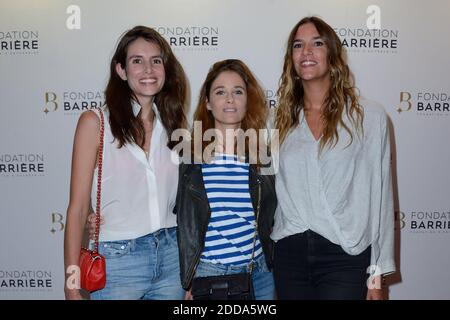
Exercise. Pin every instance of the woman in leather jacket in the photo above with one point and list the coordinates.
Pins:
(222, 191)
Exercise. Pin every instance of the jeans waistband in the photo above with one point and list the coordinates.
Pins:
(161, 235)
(162, 232)
(257, 262)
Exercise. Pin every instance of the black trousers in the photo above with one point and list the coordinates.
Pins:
(308, 266)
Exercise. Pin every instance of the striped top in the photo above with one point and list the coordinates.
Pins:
(229, 237)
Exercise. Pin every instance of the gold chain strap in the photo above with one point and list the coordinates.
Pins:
(99, 181)
(251, 263)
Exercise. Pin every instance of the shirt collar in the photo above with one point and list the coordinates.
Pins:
(137, 107)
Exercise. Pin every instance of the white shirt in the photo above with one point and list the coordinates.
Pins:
(345, 194)
(138, 194)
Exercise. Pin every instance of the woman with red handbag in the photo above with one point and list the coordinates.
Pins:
(145, 100)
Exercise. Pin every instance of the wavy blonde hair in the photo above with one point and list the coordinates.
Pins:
(342, 96)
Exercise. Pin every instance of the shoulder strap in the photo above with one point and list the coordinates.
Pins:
(251, 263)
(99, 180)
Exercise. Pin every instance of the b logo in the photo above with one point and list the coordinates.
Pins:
(57, 219)
(404, 97)
(50, 98)
(399, 220)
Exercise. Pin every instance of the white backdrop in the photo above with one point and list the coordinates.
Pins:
(54, 61)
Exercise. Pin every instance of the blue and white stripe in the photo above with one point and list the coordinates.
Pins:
(229, 238)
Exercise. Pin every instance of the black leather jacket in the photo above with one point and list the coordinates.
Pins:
(193, 214)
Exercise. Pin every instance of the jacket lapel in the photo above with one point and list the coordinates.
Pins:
(196, 184)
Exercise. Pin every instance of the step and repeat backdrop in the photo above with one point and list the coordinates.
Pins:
(54, 58)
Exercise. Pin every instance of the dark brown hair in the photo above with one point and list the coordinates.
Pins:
(170, 101)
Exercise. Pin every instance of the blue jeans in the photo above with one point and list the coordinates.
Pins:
(308, 266)
(263, 283)
(143, 268)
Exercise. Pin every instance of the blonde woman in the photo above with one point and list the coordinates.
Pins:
(334, 222)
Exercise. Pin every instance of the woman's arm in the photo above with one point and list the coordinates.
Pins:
(84, 157)
(384, 263)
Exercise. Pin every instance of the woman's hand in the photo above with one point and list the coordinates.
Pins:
(188, 295)
(376, 292)
(73, 294)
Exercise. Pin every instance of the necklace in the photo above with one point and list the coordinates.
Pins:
(148, 127)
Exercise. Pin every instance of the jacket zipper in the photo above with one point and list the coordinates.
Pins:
(192, 270)
(197, 256)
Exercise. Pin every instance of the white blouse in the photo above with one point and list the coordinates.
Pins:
(345, 194)
(138, 194)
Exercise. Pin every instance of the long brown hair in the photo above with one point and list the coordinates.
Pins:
(170, 101)
(257, 111)
(341, 95)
